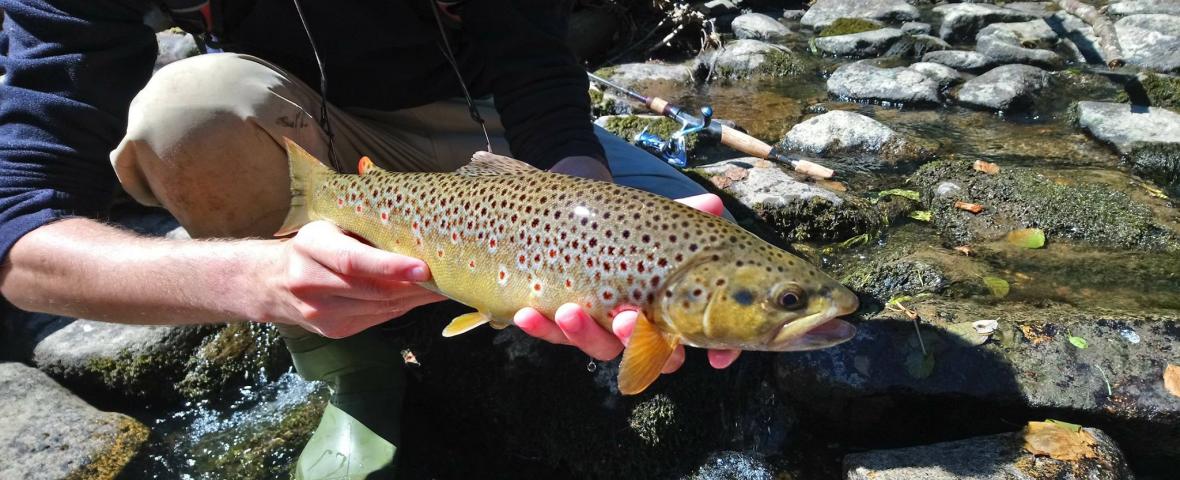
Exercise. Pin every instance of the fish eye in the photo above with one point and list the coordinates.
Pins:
(791, 298)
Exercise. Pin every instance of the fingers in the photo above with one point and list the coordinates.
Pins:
(675, 361)
(329, 246)
(705, 202)
(722, 358)
(583, 332)
(533, 323)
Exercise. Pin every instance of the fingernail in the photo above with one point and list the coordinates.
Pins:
(419, 274)
(571, 323)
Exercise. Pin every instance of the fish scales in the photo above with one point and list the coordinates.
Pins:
(499, 235)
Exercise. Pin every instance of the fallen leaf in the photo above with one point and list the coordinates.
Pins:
(1079, 342)
(1027, 238)
(1059, 441)
(998, 286)
(1035, 334)
(763, 164)
(721, 181)
(1153, 191)
(901, 192)
(1172, 379)
(920, 215)
(736, 173)
(986, 167)
(832, 185)
(970, 207)
(965, 250)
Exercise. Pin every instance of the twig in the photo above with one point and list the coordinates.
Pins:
(666, 39)
(1108, 40)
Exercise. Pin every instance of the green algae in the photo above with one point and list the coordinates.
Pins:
(238, 354)
(848, 26)
(1160, 90)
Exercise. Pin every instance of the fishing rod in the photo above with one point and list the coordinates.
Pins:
(673, 148)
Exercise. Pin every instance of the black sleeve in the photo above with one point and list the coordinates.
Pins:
(71, 69)
(540, 90)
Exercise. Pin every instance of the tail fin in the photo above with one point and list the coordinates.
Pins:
(305, 170)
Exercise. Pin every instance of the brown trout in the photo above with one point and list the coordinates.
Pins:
(500, 235)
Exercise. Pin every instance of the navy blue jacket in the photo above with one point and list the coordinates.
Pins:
(73, 66)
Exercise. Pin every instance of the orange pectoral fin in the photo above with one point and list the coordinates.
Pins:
(645, 356)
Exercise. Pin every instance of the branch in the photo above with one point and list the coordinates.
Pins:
(1108, 40)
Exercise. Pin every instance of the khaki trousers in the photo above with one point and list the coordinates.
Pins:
(204, 140)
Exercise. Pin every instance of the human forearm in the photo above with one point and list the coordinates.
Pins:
(82, 268)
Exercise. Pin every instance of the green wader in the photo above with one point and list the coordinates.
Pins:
(358, 435)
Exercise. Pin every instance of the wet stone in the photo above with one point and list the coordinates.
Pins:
(48, 433)
(757, 26)
(846, 133)
(1025, 42)
(944, 75)
(1004, 88)
(860, 45)
(1136, 7)
(1151, 41)
(963, 60)
(864, 81)
(743, 58)
(823, 12)
(1123, 125)
(961, 21)
(637, 75)
(997, 457)
(916, 28)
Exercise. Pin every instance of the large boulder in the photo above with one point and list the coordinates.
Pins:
(637, 75)
(757, 26)
(944, 75)
(961, 21)
(846, 133)
(1085, 453)
(1135, 7)
(1151, 41)
(747, 58)
(1024, 42)
(1123, 125)
(872, 43)
(798, 210)
(823, 12)
(48, 433)
(1004, 88)
(864, 81)
(964, 60)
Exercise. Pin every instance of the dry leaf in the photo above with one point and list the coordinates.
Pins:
(721, 181)
(832, 185)
(1172, 379)
(1035, 334)
(736, 173)
(965, 250)
(1059, 442)
(986, 167)
(970, 207)
(763, 164)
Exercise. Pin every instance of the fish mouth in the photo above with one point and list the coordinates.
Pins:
(813, 332)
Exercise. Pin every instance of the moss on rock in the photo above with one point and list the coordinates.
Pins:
(1161, 91)
(237, 354)
(1159, 162)
(267, 450)
(848, 26)
(786, 64)
(1018, 197)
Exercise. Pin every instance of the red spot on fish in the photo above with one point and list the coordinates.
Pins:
(385, 216)
(569, 283)
(640, 267)
(655, 281)
(502, 274)
(454, 236)
(536, 287)
(492, 243)
(623, 266)
(358, 209)
(589, 263)
(414, 225)
(607, 296)
(471, 264)
(339, 201)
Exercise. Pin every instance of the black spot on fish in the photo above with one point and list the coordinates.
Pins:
(743, 297)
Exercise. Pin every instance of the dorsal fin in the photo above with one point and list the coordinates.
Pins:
(487, 164)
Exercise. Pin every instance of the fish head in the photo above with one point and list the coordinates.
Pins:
(765, 300)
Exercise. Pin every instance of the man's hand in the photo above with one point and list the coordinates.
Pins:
(332, 284)
(572, 326)
(585, 167)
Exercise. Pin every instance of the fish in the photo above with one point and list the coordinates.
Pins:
(499, 235)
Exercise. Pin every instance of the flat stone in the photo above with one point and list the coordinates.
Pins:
(1040, 9)
(961, 21)
(863, 81)
(1004, 87)
(1024, 42)
(48, 433)
(964, 60)
(859, 45)
(793, 15)
(1151, 41)
(991, 457)
(1136, 7)
(768, 185)
(1124, 125)
(740, 57)
(916, 28)
(638, 74)
(758, 27)
(823, 12)
(841, 132)
(1080, 36)
(944, 75)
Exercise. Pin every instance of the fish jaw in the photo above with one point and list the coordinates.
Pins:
(819, 330)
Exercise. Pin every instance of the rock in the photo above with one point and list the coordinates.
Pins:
(757, 26)
(918, 45)
(174, 45)
(995, 456)
(799, 211)
(242, 353)
(1158, 161)
(847, 26)
(1004, 88)
(823, 12)
(1078, 35)
(1040, 9)
(746, 58)
(964, 60)
(944, 75)
(637, 75)
(916, 28)
(859, 45)
(48, 433)
(863, 81)
(793, 15)
(880, 382)
(961, 21)
(136, 361)
(1085, 211)
(1123, 125)
(842, 133)
(1151, 41)
(1153, 90)
(1136, 7)
(1025, 42)
(733, 465)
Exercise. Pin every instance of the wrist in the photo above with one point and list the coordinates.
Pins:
(583, 166)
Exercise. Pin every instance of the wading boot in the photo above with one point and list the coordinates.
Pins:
(358, 435)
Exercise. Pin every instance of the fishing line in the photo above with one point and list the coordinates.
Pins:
(445, 46)
(324, 123)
